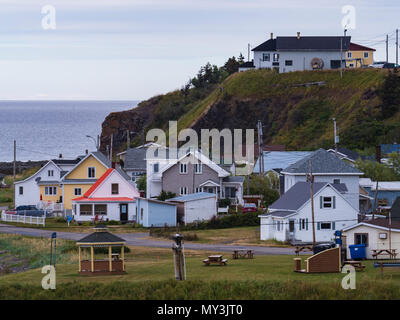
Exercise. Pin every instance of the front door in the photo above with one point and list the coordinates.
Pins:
(123, 211)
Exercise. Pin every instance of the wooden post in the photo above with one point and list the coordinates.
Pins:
(91, 259)
(79, 258)
(123, 257)
(312, 202)
(109, 258)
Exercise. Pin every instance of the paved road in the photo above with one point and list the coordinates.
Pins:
(141, 240)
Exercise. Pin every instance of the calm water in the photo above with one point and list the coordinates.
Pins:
(44, 129)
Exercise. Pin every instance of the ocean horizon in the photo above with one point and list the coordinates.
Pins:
(44, 129)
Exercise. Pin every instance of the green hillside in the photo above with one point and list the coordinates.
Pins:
(365, 104)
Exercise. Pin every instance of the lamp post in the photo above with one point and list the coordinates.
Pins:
(94, 140)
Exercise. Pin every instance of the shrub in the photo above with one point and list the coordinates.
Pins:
(222, 203)
(5, 199)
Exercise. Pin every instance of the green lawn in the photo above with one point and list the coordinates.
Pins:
(150, 276)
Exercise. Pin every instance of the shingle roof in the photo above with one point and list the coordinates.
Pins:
(239, 179)
(395, 210)
(299, 194)
(247, 64)
(358, 47)
(279, 159)
(280, 214)
(193, 196)
(269, 45)
(135, 159)
(99, 155)
(100, 237)
(322, 162)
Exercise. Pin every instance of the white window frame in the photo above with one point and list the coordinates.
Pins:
(198, 168)
(112, 184)
(183, 191)
(275, 57)
(76, 191)
(266, 57)
(156, 165)
(198, 190)
(50, 173)
(50, 191)
(324, 201)
(366, 54)
(21, 190)
(349, 55)
(94, 171)
(330, 226)
(182, 166)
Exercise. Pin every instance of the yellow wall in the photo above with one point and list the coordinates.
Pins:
(69, 193)
(52, 198)
(359, 55)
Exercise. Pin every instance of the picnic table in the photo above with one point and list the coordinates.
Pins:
(215, 259)
(115, 256)
(243, 253)
(391, 253)
(303, 248)
(356, 264)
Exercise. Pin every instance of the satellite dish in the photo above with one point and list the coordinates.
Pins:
(317, 64)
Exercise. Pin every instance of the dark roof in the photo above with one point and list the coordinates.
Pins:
(395, 210)
(239, 179)
(100, 237)
(66, 161)
(318, 43)
(99, 155)
(135, 159)
(322, 162)
(248, 64)
(358, 47)
(299, 194)
(281, 214)
(383, 222)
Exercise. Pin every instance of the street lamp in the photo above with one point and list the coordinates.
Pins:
(94, 140)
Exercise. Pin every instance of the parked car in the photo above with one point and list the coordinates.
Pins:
(390, 66)
(28, 210)
(249, 207)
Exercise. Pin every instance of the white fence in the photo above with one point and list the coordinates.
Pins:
(50, 206)
(23, 218)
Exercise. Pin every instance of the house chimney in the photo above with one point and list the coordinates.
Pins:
(60, 155)
(378, 154)
(272, 35)
(86, 151)
(298, 35)
(113, 164)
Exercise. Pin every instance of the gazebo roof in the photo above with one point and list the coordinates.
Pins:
(100, 236)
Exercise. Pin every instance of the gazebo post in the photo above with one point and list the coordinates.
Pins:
(91, 258)
(109, 258)
(79, 258)
(123, 257)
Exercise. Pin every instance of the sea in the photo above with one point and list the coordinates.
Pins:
(45, 129)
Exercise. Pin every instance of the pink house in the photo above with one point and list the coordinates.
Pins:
(112, 197)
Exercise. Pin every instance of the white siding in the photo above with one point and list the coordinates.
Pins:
(202, 209)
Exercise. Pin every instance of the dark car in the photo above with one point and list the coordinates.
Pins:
(390, 65)
(249, 207)
(28, 210)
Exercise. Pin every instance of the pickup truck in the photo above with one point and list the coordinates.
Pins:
(28, 211)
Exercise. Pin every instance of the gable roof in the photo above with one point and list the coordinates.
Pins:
(300, 193)
(40, 170)
(100, 237)
(323, 162)
(378, 223)
(279, 159)
(98, 183)
(193, 196)
(358, 47)
(135, 159)
(305, 43)
(97, 155)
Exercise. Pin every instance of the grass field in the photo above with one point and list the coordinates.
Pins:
(150, 275)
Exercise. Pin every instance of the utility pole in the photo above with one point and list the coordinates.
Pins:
(311, 179)
(335, 135)
(111, 147)
(98, 142)
(128, 138)
(260, 147)
(397, 46)
(15, 159)
(341, 58)
(248, 52)
(387, 48)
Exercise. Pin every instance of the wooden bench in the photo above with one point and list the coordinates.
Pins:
(303, 248)
(243, 253)
(356, 264)
(217, 259)
(391, 253)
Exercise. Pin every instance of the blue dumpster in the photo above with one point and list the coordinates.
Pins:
(357, 251)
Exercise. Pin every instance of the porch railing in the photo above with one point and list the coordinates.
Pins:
(38, 220)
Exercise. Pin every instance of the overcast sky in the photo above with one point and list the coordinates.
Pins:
(134, 49)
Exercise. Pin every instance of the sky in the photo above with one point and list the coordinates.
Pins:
(135, 49)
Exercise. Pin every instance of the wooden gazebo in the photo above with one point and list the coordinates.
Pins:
(115, 263)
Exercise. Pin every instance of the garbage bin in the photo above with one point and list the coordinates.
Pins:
(357, 251)
(323, 246)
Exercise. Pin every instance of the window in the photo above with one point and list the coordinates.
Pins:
(182, 190)
(383, 235)
(50, 173)
(183, 168)
(91, 172)
(291, 225)
(141, 214)
(85, 210)
(288, 62)
(336, 181)
(266, 57)
(50, 191)
(349, 55)
(366, 54)
(77, 191)
(198, 168)
(114, 188)
(278, 226)
(383, 202)
(230, 192)
(74, 208)
(276, 57)
(325, 226)
(156, 167)
(335, 64)
(100, 209)
(21, 191)
(351, 65)
(198, 189)
(361, 238)
(327, 202)
(303, 224)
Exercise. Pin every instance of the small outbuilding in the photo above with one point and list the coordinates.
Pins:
(101, 238)
(155, 213)
(195, 207)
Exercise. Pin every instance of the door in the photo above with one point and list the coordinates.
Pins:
(123, 212)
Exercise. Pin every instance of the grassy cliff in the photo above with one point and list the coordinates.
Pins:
(299, 117)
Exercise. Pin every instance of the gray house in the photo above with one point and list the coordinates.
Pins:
(287, 54)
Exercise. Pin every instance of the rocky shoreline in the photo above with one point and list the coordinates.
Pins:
(6, 168)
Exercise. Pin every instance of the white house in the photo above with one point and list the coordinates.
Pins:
(374, 234)
(195, 207)
(300, 53)
(328, 168)
(290, 217)
(112, 197)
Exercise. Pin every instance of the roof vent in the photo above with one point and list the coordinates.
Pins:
(60, 155)
(298, 35)
(86, 151)
(272, 35)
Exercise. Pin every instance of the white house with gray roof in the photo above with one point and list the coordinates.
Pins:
(290, 217)
(328, 168)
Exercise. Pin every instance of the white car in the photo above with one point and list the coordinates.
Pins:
(377, 65)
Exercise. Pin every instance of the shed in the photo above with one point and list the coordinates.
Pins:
(195, 207)
(115, 264)
(155, 213)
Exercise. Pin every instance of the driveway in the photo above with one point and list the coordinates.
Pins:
(141, 240)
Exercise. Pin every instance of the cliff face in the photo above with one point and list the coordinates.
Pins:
(294, 114)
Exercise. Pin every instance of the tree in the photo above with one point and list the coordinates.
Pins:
(166, 195)
(231, 66)
(390, 95)
(262, 185)
(241, 59)
(394, 161)
(141, 183)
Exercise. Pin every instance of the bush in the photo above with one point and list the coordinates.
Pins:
(222, 203)
(5, 199)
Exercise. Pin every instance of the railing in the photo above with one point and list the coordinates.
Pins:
(39, 220)
(50, 206)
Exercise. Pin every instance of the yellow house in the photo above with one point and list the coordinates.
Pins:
(359, 56)
(79, 180)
